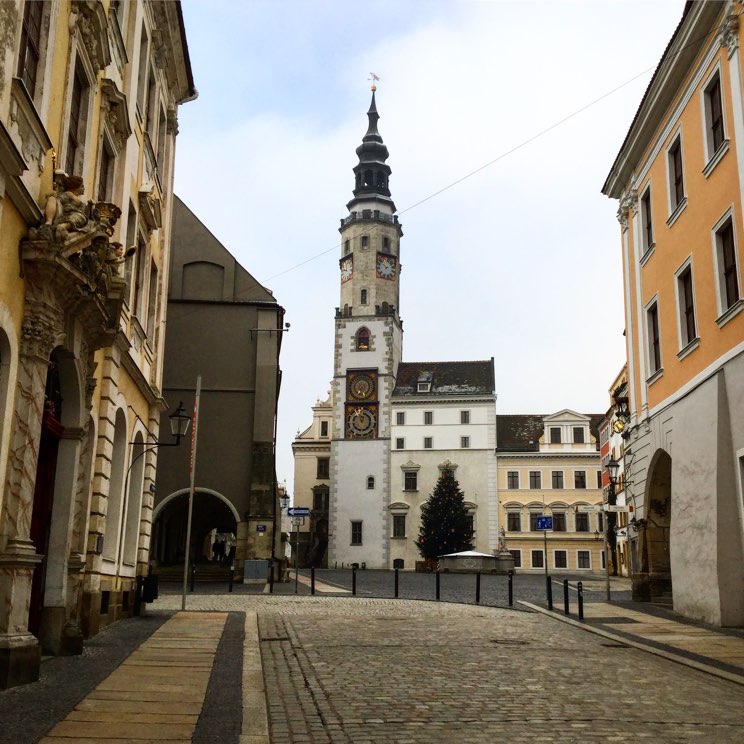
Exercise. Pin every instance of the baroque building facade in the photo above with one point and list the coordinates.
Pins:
(679, 181)
(368, 522)
(89, 93)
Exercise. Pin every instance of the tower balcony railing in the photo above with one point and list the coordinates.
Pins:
(380, 310)
(370, 214)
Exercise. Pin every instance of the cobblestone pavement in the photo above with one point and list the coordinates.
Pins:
(361, 670)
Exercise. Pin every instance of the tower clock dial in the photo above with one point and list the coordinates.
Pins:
(361, 422)
(386, 266)
(347, 268)
(362, 387)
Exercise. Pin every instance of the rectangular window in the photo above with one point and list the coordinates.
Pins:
(728, 278)
(517, 554)
(320, 500)
(428, 443)
(583, 559)
(580, 479)
(560, 559)
(365, 241)
(600, 522)
(139, 276)
(423, 387)
(370, 482)
(323, 469)
(30, 50)
(142, 72)
(105, 174)
(686, 306)
(471, 524)
(578, 434)
(400, 418)
(428, 417)
(654, 340)
(400, 443)
(676, 180)
(604, 564)
(582, 522)
(555, 435)
(714, 116)
(356, 533)
(599, 479)
(399, 525)
(410, 480)
(535, 479)
(647, 224)
(323, 428)
(363, 298)
(77, 124)
(464, 442)
(533, 521)
(559, 522)
(537, 559)
(514, 521)
(557, 478)
(512, 479)
(152, 302)
(464, 417)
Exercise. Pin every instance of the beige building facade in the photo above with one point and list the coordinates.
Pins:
(89, 93)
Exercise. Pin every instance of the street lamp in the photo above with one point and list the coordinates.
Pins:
(179, 425)
(612, 469)
(284, 501)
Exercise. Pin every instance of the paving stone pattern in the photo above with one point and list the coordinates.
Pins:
(373, 670)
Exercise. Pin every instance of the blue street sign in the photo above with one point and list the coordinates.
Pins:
(260, 528)
(298, 511)
(544, 523)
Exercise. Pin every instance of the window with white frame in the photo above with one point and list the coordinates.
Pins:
(410, 480)
(29, 53)
(580, 479)
(400, 443)
(559, 521)
(537, 559)
(517, 555)
(514, 521)
(560, 559)
(428, 443)
(583, 559)
(535, 479)
(555, 435)
(464, 442)
(715, 134)
(428, 417)
(578, 434)
(581, 520)
(323, 428)
(464, 417)
(77, 122)
(400, 418)
(676, 177)
(727, 266)
(686, 303)
(654, 338)
(399, 525)
(647, 225)
(512, 479)
(557, 478)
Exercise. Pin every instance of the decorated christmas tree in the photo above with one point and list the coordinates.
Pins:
(445, 523)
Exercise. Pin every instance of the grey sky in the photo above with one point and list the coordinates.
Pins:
(520, 262)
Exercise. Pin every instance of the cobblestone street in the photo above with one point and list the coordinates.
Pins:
(374, 670)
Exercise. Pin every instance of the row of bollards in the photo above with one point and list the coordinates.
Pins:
(566, 608)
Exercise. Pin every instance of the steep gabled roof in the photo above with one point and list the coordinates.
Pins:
(521, 432)
(445, 378)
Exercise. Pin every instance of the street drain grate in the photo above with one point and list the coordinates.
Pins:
(508, 642)
(267, 640)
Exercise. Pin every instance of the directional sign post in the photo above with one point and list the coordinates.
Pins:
(298, 514)
(619, 508)
(298, 511)
(544, 523)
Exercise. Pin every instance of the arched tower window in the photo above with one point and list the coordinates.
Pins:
(368, 178)
(362, 340)
(363, 298)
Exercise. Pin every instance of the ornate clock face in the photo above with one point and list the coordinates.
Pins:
(362, 387)
(361, 422)
(346, 269)
(386, 266)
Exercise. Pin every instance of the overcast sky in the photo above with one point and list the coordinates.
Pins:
(520, 261)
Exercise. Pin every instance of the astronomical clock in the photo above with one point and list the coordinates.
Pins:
(362, 408)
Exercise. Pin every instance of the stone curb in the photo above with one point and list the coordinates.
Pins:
(680, 659)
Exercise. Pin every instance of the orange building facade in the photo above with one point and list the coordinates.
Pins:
(679, 180)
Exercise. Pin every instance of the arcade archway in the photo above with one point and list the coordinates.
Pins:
(656, 563)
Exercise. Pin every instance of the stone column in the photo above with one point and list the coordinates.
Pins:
(20, 654)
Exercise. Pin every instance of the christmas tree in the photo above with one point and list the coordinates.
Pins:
(445, 523)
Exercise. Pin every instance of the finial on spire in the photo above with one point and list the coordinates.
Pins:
(374, 79)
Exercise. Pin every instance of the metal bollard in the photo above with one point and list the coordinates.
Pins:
(549, 591)
(397, 570)
(511, 588)
(580, 588)
(312, 580)
(353, 582)
(232, 578)
(437, 585)
(193, 577)
(477, 588)
(565, 596)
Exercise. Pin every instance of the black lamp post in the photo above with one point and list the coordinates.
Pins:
(612, 467)
(179, 425)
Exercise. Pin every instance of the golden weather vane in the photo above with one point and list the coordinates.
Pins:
(374, 79)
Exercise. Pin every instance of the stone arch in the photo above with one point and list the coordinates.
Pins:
(655, 556)
(115, 488)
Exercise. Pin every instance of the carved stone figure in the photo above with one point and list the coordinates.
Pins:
(64, 211)
(502, 540)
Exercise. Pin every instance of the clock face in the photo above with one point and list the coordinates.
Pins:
(386, 266)
(346, 269)
(362, 387)
(360, 422)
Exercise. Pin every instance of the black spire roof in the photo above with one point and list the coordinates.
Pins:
(372, 172)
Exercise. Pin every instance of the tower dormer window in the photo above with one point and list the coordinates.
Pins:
(365, 241)
(367, 181)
